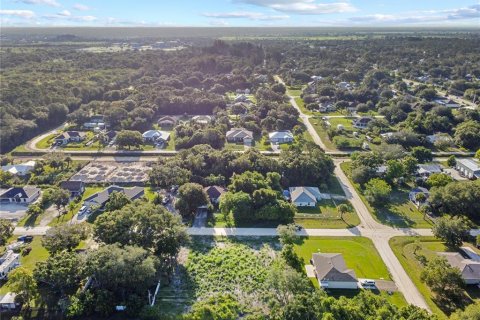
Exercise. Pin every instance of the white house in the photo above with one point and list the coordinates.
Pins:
(202, 119)
(305, 196)
(9, 261)
(439, 137)
(332, 273)
(447, 103)
(280, 137)
(156, 136)
(20, 169)
(468, 168)
(26, 194)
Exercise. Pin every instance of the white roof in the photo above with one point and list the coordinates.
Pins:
(21, 168)
(156, 134)
(239, 132)
(280, 135)
(9, 298)
(469, 163)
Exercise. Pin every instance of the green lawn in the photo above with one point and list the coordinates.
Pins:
(46, 142)
(325, 215)
(359, 254)
(234, 146)
(399, 212)
(69, 215)
(322, 132)
(38, 253)
(403, 247)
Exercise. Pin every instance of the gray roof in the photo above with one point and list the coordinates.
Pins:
(101, 197)
(331, 267)
(304, 194)
(19, 192)
(469, 268)
(431, 168)
(239, 133)
(72, 186)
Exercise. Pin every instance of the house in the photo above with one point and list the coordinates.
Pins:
(69, 136)
(241, 98)
(387, 135)
(344, 85)
(240, 91)
(76, 188)
(362, 122)
(425, 170)
(439, 137)
(412, 195)
(326, 107)
(166, 121)
(447, 103)
(156, 136)
(470, 269)
(202, 119)
(9, 261)
(280, 137)
(214, 193)
(7, 302)
(236, 135)
(99, 199)
(95, 122)
(381, 170)
(20, 169)
(332, 273)
(468, 168)
(26, 194)
(305, 196)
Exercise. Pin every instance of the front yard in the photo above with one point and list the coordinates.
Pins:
(399, 212)
(325, 215)
(359, 254)
(404, 249)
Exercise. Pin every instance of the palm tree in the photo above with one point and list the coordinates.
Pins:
(342, 209)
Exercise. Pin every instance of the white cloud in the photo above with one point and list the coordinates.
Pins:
(422, 17)
(64, 13)
(51, 3)
(26, 14)
(245, 15)
(307, 7)
(85, 18)
(81, 7)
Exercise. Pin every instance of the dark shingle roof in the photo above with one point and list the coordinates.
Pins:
(72, 185)
(214, 192)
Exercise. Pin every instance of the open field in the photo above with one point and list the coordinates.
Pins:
(404, 249)
(113, 172)
(325, 215)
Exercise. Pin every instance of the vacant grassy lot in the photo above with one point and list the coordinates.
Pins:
(404, 248)
(325, 215)
(399, 212)
(359, 254)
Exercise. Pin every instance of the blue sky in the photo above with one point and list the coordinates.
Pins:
(206, 13)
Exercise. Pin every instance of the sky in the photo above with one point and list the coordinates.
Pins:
(240, 13)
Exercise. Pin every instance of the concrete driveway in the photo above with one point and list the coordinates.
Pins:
(13, 211)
